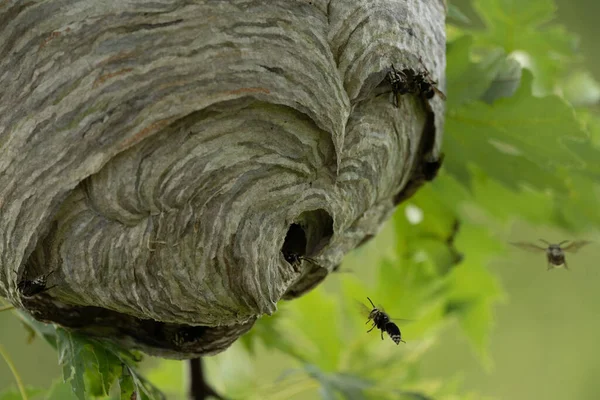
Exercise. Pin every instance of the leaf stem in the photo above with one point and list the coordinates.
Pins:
(6, 308)
(4, 355)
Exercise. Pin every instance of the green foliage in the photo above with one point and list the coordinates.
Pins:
(13, 393)
(167, 377)
(467, 80)
(499, 141)
(72, 356)
(580, 89)
(90, 367)
(61, 391)
(127, 385)
(265, 332)
(95, 366)
(456, 15)
(516, 25)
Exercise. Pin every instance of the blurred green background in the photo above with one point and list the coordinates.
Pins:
(544, 343)
(497, 325)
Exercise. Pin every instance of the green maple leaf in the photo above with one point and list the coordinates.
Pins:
(70, 357)
(517, 25)
(518, 140)
(466, 80)
(91, 366)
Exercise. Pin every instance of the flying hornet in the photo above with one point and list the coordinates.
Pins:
(383, 322)
(555, 254)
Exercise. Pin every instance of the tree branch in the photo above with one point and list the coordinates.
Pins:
(199, 388)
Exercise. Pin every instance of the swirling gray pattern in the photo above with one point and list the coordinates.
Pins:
(156, 154)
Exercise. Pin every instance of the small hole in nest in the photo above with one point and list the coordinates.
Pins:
(311, 232)
(294, 245)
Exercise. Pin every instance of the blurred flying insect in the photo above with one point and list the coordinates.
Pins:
(555, 254)
(382, 321)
